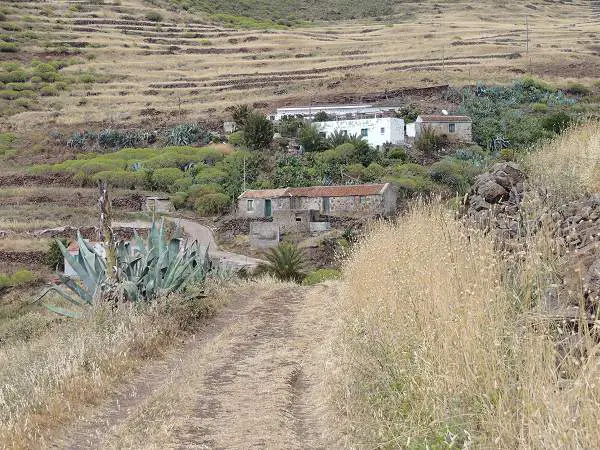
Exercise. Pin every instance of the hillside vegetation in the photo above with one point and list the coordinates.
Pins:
(444, 343)
(64, 64)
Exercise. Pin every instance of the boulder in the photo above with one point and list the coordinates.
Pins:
(591, 284)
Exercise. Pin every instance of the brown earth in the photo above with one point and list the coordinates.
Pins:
(252, 378)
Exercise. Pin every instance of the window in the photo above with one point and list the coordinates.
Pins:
(322, 134)
(382, 130)
(451, 127)
(364, 132)
(363, 200)
(345, 132)
(250, 205)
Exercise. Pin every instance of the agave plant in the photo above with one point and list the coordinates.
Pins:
(144, 269)
(285, 262)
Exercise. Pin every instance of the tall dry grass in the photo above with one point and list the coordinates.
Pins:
(440, 347)
(46, 378)
(568, 166)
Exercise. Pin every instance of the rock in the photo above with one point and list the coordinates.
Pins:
(591, 283)
(492, 192)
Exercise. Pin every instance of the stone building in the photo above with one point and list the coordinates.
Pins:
(456, 128)
(347, 200)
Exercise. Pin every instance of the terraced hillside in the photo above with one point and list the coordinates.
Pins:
(128, 61)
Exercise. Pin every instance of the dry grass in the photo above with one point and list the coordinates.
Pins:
(439, 346)
(47, 377)
(569, 166)
(145, 65)
(24, 244)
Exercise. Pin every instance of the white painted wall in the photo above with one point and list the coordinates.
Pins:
(334, 110)
(411, 130)
(379, 130)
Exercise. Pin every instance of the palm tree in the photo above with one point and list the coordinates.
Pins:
(285, 262)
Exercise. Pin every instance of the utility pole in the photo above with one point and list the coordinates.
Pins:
(244, 181)
(527, 35)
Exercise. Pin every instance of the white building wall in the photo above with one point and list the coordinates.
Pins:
(336, 110)
(411, 130)
(380, 130)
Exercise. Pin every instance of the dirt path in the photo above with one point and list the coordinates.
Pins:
(252, 379)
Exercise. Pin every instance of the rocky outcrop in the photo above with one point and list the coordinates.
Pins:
(495, 198)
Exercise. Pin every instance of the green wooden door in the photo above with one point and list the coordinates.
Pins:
(268, 208)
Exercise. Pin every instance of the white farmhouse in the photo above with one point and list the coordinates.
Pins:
(376, 131)
(336, 111)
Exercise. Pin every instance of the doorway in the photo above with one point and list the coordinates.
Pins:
(268, 208)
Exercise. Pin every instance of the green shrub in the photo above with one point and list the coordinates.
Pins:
(182, 184)
(210, 175)
(54, 258)
(311, 140)
(320, 275)
(356, 170)
(577, 89)
(455, 174)
(48, 91)
(322, 116)
(9, 94)
(19, 278)
(87, 78)
(285, 262)
(154, 16)
(8, 47)
(47, 72)
(398, 153)
(179, 200)
(14, 76)
(374, 172)
(187, 134)
(239, 114)
(539, 107)
(212, 204)
(236, 138)
(258, 132)
(121, 178)
(556, 122)
(164, 179)
(429, 141)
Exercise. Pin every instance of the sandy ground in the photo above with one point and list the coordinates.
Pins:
(253, 378)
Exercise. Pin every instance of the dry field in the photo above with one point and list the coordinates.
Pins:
(188, 66)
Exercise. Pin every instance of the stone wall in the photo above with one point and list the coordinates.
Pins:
(264, 234)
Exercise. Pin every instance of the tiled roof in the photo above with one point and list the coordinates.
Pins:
(318, 191)
(264, 193)
(337, 191)
(443, 118)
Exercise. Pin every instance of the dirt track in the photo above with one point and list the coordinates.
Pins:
(251, 379)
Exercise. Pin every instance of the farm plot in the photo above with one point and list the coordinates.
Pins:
(124, 63)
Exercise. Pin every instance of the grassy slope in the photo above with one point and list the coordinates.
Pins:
(440, 343)
(129, 69)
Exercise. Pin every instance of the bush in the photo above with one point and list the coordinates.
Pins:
(320, 275)
(236, 138)
(430, 142)
(240, 114)
(182, 184)
(285, 262)
(9, 94)
(539, 107)
(322, 116)
(120, 178)
(8, 47)
(154, 16)
(54, 258)
(556, 122)
(577, 89)
(210, 175)
(258, 132)
(47, 72)
(19, 278)
(48, 91)
(212, 204)
(179, 200)
(374, 172)
(311, 140)
(455, 174)
(164, 179)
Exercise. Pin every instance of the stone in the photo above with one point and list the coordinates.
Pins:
(591, 283)
(492, 192)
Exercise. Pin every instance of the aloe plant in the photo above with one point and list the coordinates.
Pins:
(144, 270)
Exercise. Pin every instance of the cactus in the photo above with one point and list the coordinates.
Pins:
(144, 270)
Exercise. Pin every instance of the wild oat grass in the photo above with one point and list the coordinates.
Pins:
(568, 166)
(47, 378)
(437, 350)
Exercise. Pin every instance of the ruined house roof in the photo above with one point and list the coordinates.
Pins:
(337, 191)
(264, 193)
(318, 191)
(443, 118)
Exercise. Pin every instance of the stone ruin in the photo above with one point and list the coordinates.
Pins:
(494, 205)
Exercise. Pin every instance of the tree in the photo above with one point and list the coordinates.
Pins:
(240, 114)
(337, 138)
(322, 116)
(311, 140)
(363, 152)
(285, 262)
(258, 131)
